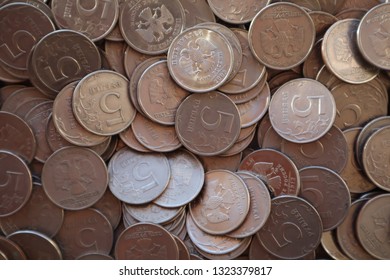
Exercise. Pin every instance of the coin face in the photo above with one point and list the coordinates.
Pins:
(207, 123)
(150, 26)
(281, 35)
(101, 103)
(200, 59)
(302, 110)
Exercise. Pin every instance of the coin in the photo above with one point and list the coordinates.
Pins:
(200, 59)
(223, 204)
(250, 94)
(115, 51)
(7, 91)
(196, 11)
(363, 4)
(183, 251)
(150, 26)
(207, 123)
(231, 255)
(330, 6)
(74, 178)
(322, 21)
(281, 35)
(239, 146)
(128, 137)
(152, 213)
(355, 13)
(330, 245)
(132, 59)
(146, 241)
(95, 256)
(11, 250)
(304, 116)
(327, 78)
(272, 140)
(53, 138)
(296, 232)
(230, 163)
(111, 207)
(314, 61)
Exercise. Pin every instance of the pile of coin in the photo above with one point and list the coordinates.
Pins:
(181, 129)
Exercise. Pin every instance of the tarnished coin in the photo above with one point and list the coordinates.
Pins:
(8, 90)
(146, 241)
(293, 230)
(275, 169)
(240, 146)
(281, 35)
(223, 204)
(327, 78)
(101, 103)
(187, 177)
(83, 232)
(95, 19)
(53, 138)
(36, 245)
(361, 4)
(196, 11)
(138, 178)
(331, 246)
(341, 54)
(200, 59)
(372, 229)
(355, 13)
(207, 123)
(111, 207)
(272, 140)
(11, 250)
(302, 110)
(74, 178)
(16, 183)
(151, 26)
(327, 192)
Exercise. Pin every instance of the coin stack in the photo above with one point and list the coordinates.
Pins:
(182, 129)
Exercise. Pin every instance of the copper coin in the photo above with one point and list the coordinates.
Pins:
(95, 19)
(84, 231)
(101, 103)
(347, 236)
(246, 132)
(262, 128)
(259, 209)
(16, 183)
(312, 5)
(152, 213)
(352, 174)
(302, 110)
(111, 207)
(3, 256)
(38, 214)
(11, 250)
(128, 137)
(372, 229)
(36, 245)
(327, 192)
(7, 77)
(186, 182)
(237, 12)
(371, 36)
(41, 5)
(196, 11)
(341, 54)
(250, 94)
(331, 246)
(115, 53)
(61, 57)
(17, 136)
(158, 95)
(207, 123)
(200, 59)
(74, 178)
(281, 35)
(322, 21)
(276, 169)
(95, 257)
(313, 62)
(132, 59)
(151, 26)
(145, 241)
(331, 151)
(138, 178)
(293, 230)
(230, 163)
(235, 254)
(19, 74)
(223, 204)
(22, 27)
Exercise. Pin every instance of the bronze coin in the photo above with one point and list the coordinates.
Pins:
(200, 59)
(150, 26)
(111, 207)
(196, 11)
(230, 163)
(347, 236)
(146, 241)
(372, 229)
(223, 204)
(281, 35)
(152, 213)
(207, 123)
(132, 59)
(38, 214)
(115, 53)
(158, 95)
(138, 178)
(322, 21)
(186, 181)
(17, 136)
(95, 257)
(341, 54)
(115, 34)
(276, 169)
(95, 19)
(41, 5)
(312, 5)
(327, 192)
(11, 250)
(83, 232)
(7, 77)
(331, 151)
(313, 62)
(331, 246)
(262, 128)
(36, 245)
(128, 137)
(304, 116)
(74, 178)
(293, 230)
(16, 183)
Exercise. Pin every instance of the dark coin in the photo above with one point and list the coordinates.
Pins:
(322, 21)
(313, 62)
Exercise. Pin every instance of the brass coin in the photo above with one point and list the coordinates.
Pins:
(196, 11)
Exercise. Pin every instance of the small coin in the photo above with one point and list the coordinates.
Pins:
(53, 138)
(111, 207)
(7, 91)
(372, 230)
(207, 123)
(196, 11)
(129, 139)
(304, 116)
(330, 245)
(74, 178)
(146, 241)
(223, 204)
(7, 77)
(363, 4)
(11, 250)
(327, 78)
(272, 140)
(239, 146)
(138, 178)
(16, 184)
(262, 128)
(230, 163)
